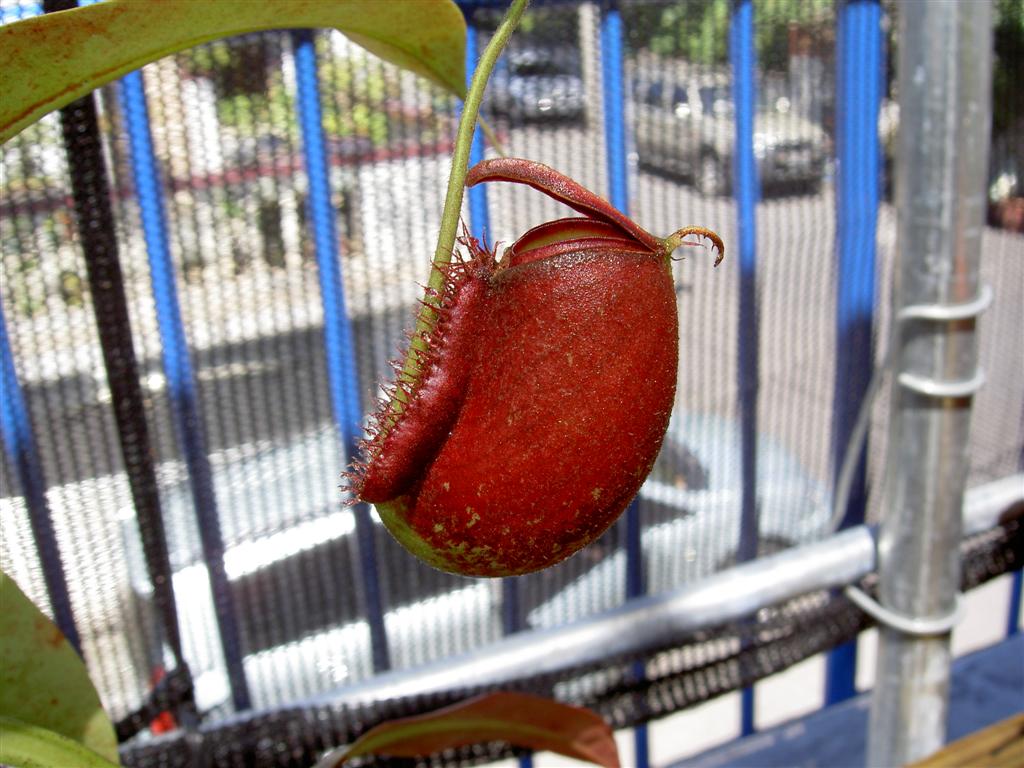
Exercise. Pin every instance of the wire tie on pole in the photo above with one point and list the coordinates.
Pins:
(949, 312)
(917, 627)
(931, 387)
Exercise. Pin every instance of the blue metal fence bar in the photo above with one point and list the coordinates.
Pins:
(618, 194)
(859, 81)
(615, 151)
(20, 446)
(746, 187)
(343, 379)
(181, 385)
(479, 219)
(614, 106)
(479, 223)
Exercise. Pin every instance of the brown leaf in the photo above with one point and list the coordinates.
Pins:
(520, 719)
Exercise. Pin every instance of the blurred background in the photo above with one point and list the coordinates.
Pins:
(247, 361)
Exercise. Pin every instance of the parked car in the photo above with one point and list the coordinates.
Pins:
(690, 509)
(687, 127)
(537, 84)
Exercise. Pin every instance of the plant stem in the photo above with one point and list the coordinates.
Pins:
(456, 184)
(464, 139)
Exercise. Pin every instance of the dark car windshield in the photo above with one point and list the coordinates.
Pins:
(539, 68)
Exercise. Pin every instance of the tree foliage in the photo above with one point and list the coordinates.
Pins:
(698, 30)
(1008, 67)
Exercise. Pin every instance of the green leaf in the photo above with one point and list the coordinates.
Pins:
(29, 746)
(43, 682)
(520, 719)
(51, 60)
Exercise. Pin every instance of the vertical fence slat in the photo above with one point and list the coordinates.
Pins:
(479, 222)
(613, 102)
(342, 376)
(97, 234)
(859, 82)
(746, 188)
(20, 446)
(479, 219)
(614, 107)
(181, 385)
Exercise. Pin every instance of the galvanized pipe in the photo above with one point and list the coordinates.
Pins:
(944, 90)
(641, 624)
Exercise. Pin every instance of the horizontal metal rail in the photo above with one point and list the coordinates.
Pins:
(657, 620)
(654, 621)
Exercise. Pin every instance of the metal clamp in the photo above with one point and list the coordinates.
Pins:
(949, 312)
(931, 387)
(908, 625)
(925, 385)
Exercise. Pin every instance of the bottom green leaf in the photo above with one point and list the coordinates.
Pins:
(29, 746)
(43, 681)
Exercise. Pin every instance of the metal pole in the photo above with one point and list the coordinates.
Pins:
(342, 376)
(612, 56)
(859, 75)
(19, 442)
(643, 624)
(945, 93)
(747, 191)
(479, 219)
(183, 394)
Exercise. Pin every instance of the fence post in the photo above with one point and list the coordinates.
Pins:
(613, 102)
(945, 112)
(97, 235)
(479, 219)
(747, 190)
(20, 445)
(859, 83)
(186, 411)
(341, 367)
(1013, 619)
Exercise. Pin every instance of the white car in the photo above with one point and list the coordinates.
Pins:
(687, 127)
